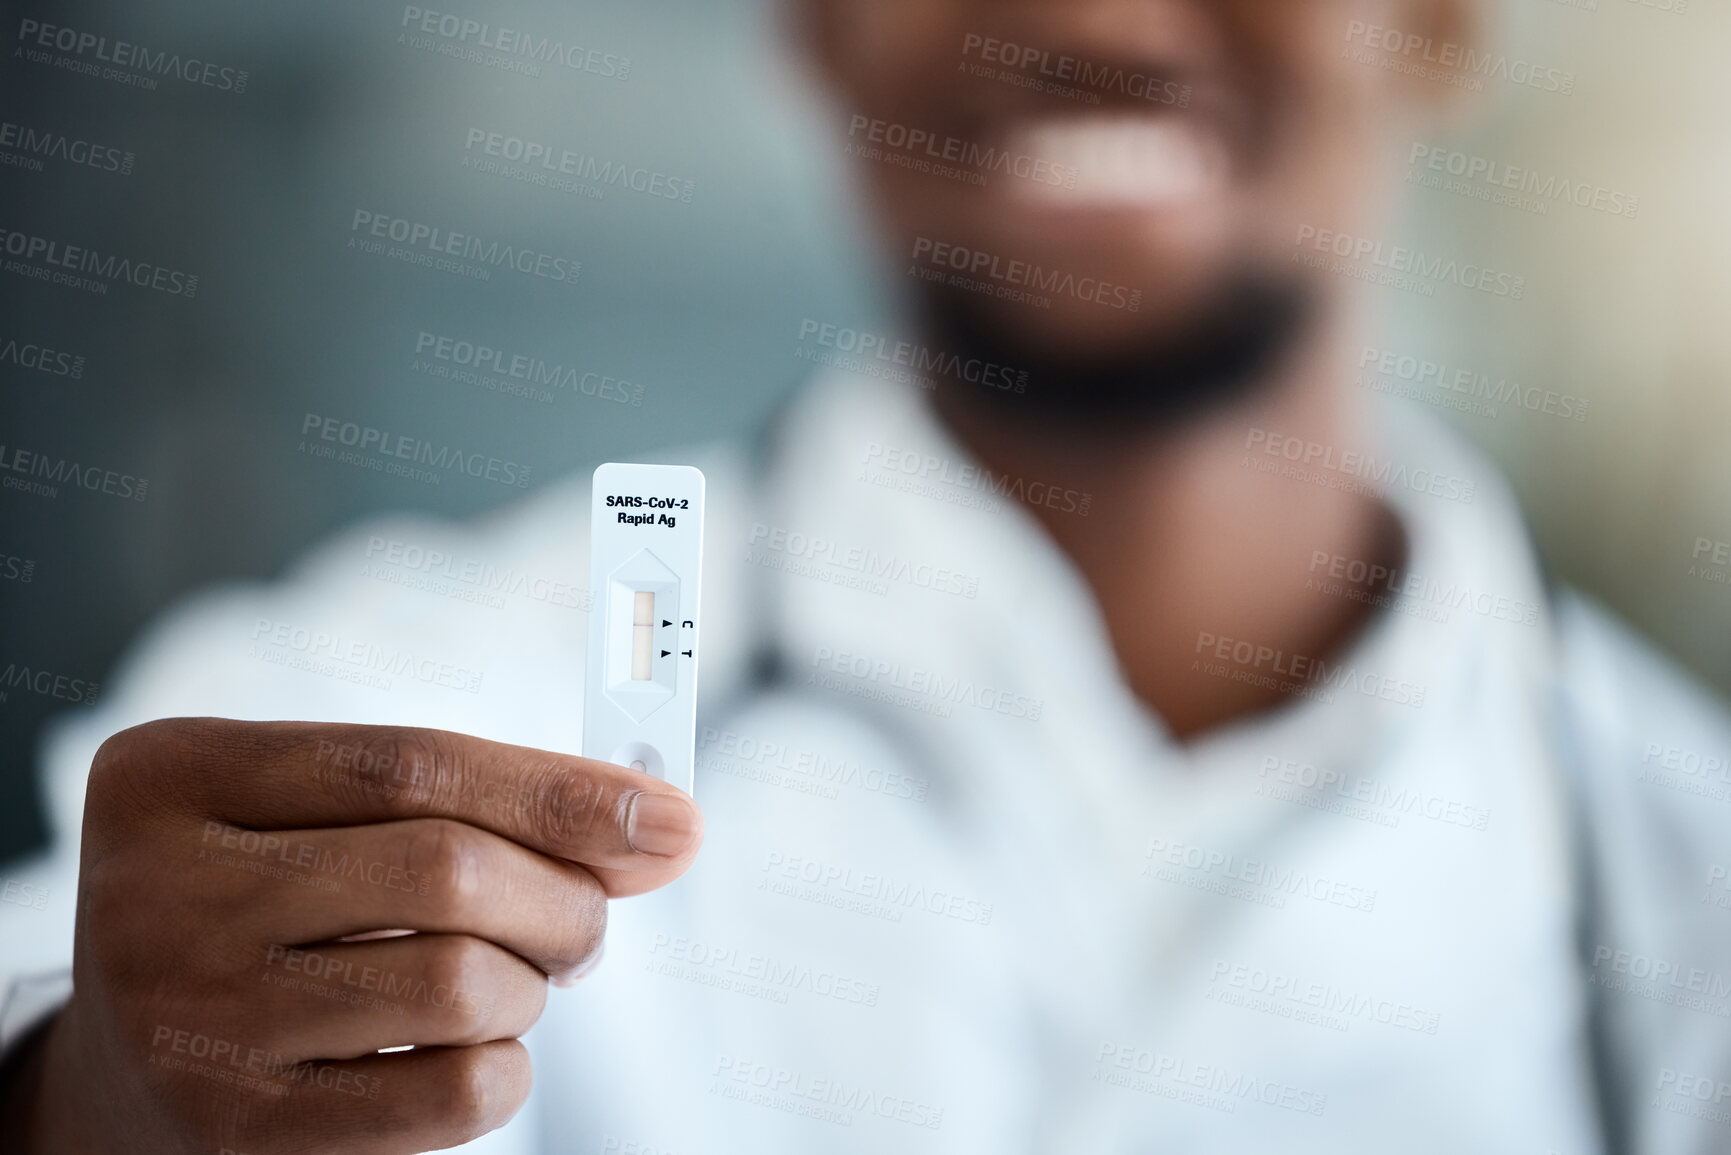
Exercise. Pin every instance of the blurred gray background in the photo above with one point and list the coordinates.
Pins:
(700, 302)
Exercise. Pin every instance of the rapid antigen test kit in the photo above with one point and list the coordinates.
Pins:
(645, 573)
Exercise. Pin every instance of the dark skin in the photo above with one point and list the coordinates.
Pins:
(1235, 577)
(519, 850)
(1182, 539)
(228, 869)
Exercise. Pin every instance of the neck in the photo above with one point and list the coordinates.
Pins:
(1186, 542)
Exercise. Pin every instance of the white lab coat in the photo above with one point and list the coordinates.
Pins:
(961, 892)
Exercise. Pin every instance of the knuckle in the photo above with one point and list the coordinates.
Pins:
(448, 854)
(114, 757)
(135, 767)
(458, 962)
(473, 1089)
(571, 807)
(459, 973)
(403, 768)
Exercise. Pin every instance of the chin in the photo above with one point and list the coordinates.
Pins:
(1100, 368)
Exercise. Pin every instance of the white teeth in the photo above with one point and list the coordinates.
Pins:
(1120, 161)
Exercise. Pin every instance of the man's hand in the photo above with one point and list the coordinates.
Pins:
(244, 901)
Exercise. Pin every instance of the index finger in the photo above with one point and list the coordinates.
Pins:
(632, 830)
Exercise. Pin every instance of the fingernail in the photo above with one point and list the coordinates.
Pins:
(662, 824)
(583, 968)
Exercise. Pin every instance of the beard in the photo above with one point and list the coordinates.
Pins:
(1225, 354)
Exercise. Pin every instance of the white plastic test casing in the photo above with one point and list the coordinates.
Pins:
(645, 574)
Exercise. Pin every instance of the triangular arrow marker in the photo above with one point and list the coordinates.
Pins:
(665, 622)
(664, 653)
